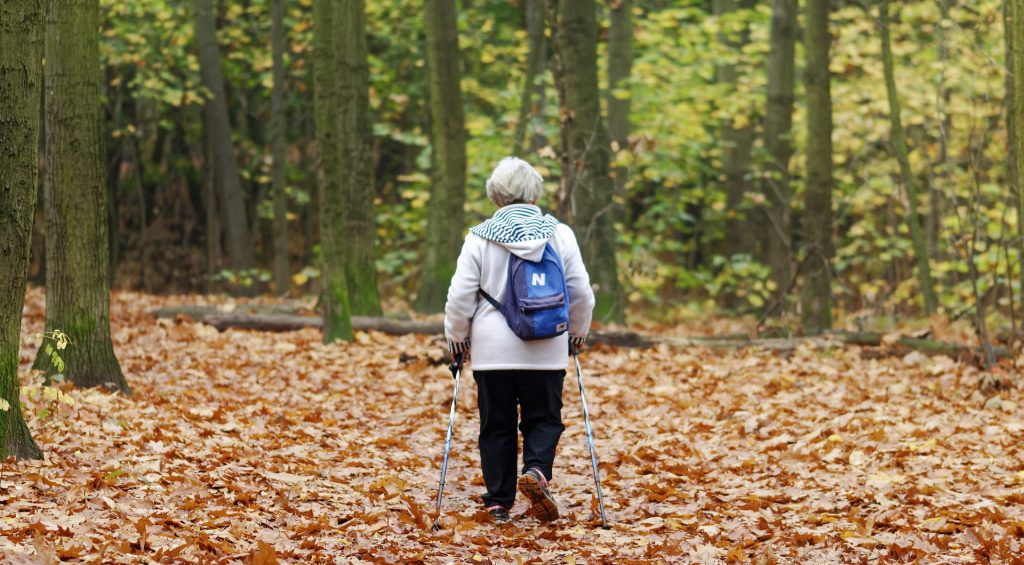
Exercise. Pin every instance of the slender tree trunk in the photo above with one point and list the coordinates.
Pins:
(778, 126)
(282, 269)
(737, 144)
(1015, 114)
(933, 228)
(355, 141)
(217, 124)
(77, 199)
(620, 64)
(21, 82)
(816, 298)
(535, 63)
(587, 187)
(924, 273)
(333, 284)
(445, 217)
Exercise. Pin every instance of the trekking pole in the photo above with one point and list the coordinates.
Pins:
(590, 438)
(456, 369)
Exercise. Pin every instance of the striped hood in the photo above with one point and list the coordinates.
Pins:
(521, 228)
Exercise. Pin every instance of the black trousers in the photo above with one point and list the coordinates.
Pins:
(538, 395)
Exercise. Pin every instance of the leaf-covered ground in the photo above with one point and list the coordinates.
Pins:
(255, 447)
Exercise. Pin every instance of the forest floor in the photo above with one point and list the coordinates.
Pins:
(261, 448)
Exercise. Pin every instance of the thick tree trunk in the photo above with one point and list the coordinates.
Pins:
(816, 297)
(924, 273)
(217, 125)
(355, 141)
(77, 199)
(21, 83)
(778, 125)
(587, 187)
(620, 64)
(445, 217)
(1015, 93)
(282, 268)
(333, 284)
(536, 59)
(737, 144)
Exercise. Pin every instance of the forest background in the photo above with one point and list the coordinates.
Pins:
(689, 203)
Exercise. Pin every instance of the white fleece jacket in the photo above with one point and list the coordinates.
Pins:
(470, 319)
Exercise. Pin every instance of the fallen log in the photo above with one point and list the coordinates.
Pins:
(283, 318)
(257, 318)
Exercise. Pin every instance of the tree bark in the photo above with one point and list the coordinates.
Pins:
(1015, 93)
(620, 64)
(76, 198)
(445, 217)
(536, 60)
(282, 268)
(587, 188)
(816, 296)
(737, 144)
(924, 273)
(21, 81)
(355, 141)
(217, 125)
(333, 284)
(778, 125)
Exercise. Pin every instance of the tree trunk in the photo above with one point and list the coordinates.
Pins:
(21, 82)
(217, 124)
(1015, 95)
(924, 273)
(333, 285)
(620, 64)
(282, 269)
(933, 228)
(77, 199)
(737, 144)
(355, 141)
(535, 62)
(587, 188)
(445, 217)
(816, 297)
(778, 125)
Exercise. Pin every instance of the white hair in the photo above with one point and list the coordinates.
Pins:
(514, 180)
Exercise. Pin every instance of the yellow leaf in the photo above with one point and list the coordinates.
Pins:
(300, 279)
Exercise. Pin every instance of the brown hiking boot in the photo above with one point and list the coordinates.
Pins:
(534, 486)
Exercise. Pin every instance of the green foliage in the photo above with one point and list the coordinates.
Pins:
(47, 399)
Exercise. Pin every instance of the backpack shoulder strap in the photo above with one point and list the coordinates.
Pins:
(489, 298)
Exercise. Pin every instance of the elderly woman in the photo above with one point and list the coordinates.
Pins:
(511, 371)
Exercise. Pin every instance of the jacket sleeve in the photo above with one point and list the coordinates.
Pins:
(581, 295)
(462, 297)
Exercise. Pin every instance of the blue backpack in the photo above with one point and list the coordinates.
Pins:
(536, 297)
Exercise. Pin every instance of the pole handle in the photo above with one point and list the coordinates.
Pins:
(456, 365)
